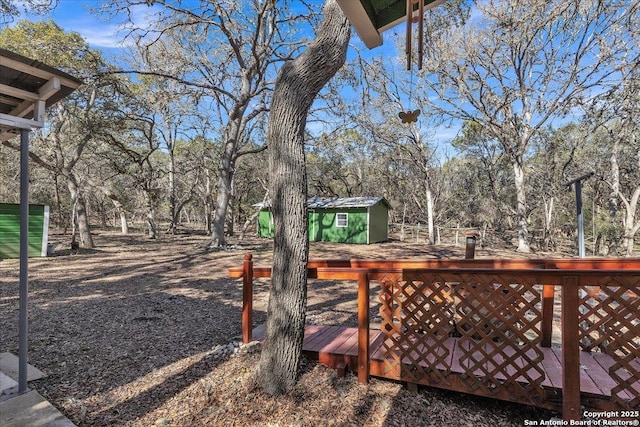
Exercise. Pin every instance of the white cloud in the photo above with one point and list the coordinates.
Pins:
(82, 18)
(445, 133)
(103, 36)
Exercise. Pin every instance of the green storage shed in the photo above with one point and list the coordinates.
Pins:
(361, 220)
(10, 230)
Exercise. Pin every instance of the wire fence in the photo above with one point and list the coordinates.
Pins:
(487, 237)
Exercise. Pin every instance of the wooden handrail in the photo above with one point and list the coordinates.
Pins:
(578, 264)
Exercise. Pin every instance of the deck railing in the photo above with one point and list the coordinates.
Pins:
(499, 314)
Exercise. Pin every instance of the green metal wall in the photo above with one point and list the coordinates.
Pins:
(322, 227)
(265, 224)
(10, 230)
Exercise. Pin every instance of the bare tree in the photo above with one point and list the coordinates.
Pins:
(226, 52)
(10, 9)
(297, 85)
(620, 121)
(137, 141)
(523, 65)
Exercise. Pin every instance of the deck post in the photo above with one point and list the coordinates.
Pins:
(547, 314)
(247, 298)
(363, 328)
(570, 350)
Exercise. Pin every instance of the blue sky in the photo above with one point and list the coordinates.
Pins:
(76, 16)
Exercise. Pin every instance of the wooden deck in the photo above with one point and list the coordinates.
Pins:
(485, 327)
(337, 347)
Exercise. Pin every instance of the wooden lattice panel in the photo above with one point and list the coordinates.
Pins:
(499, 320)
(610, 322)
(417, 322)
(496, 319)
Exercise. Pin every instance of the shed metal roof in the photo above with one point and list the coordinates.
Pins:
(27, 87)
(371, 17)
(337, 202)
(344, 202)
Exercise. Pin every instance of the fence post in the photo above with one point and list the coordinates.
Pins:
(570, 350)
(470, 249)
(363, 328)
(247, 298)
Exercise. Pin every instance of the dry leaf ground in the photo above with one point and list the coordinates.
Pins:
(142, 333)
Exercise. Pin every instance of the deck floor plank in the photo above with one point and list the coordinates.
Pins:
(314, 336)
(374, 336)
(606, 362)
(552, 369)
(323, 338)
(587, 385)
(337, 340)
(345, 346)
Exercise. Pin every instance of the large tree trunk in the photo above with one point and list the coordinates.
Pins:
(224, 194)
(521, 207)
(61, 220)
(630, 225)
(548, 240)
(152, 227)
(231, 210)
(173, 211)
(297, 85)
(86, 240)
(208, 202)
(220, 211)
(124, 226)
(615, 192)
(430, 214)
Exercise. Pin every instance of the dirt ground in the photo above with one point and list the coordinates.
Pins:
(143, 333)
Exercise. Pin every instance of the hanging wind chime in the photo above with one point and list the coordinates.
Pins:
(412, 116)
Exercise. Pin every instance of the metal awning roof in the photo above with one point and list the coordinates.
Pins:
(27, 87)
(371, 17)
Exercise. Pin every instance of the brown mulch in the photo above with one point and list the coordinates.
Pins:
(142, 333)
